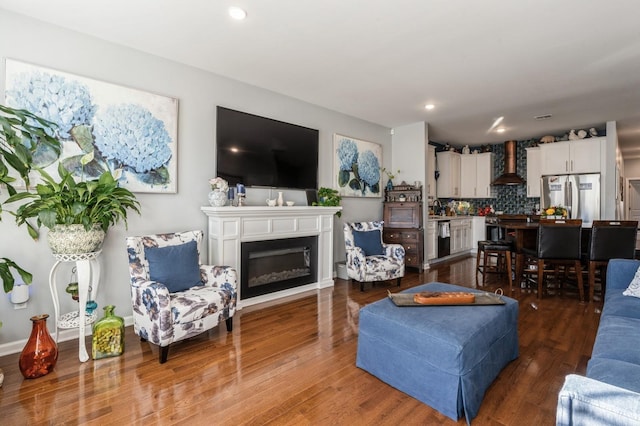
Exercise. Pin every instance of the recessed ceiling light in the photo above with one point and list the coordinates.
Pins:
(429, 106)
(501, 130)
(237, 13)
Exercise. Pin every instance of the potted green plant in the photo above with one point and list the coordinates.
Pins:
(22, 135)
(328, 197)
(78, 214)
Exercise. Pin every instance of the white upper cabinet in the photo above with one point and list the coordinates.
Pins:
(476, 175)
(580, 156)
(533, 172)
(448, 182)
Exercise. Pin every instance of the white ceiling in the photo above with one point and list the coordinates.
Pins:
(383, 60)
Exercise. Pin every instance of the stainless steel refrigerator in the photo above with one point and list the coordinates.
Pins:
(579, 194)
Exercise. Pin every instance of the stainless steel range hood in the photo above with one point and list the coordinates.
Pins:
(509, 177)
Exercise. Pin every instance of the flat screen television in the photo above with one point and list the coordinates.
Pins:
(261, 152)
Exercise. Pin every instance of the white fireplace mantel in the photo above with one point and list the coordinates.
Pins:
(230, 226)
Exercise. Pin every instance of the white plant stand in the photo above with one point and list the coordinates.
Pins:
(88, 270)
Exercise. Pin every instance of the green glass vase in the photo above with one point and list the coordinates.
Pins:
(108, 335)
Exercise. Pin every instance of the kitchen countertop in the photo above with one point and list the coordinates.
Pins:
(438, 218)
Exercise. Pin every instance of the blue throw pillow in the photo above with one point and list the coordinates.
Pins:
(369, 241)
(177, 267)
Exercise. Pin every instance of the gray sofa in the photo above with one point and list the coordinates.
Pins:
(610, 392)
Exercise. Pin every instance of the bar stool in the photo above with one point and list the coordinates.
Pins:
(500, 252)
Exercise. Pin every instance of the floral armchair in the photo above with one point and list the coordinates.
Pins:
(369, 259)
(162, 315)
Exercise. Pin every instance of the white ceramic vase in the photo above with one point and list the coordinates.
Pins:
(217, 198)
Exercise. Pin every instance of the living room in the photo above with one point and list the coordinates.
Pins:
(199, 92)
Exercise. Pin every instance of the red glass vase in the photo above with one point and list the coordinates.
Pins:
(40, 354)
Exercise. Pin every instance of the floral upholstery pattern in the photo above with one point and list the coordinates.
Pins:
(162, 317)
(372, 268)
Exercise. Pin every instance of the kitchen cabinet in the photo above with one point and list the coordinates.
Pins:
(402, 216)
(478, 231)
(461, 235)
(476, 175)
(533, 172)
(580, 156)
(431, 172)
(432, 239)
(448, 182)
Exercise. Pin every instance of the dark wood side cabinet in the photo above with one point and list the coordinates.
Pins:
(403, 222)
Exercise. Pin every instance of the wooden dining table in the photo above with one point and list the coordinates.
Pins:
(524, 234)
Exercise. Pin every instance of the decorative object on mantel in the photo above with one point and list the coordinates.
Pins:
(241, 193)
(219, 190)
(108, 335)
(328, 197)
(40, 354)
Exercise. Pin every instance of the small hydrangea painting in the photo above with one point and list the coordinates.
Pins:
(101, 126)
(357, 167)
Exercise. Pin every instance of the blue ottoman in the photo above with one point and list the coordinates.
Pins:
(444, 356)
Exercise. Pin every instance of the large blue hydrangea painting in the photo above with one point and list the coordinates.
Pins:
(357, 167)
(101, 126)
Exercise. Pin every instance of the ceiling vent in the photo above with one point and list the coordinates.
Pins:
(543, 117)
(509, 177)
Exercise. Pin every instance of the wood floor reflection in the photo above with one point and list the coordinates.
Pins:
(292, 363)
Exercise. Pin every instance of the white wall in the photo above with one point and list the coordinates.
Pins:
(198, 93)
(409, 152)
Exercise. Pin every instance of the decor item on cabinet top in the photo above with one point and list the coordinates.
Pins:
(328, 197)
(390, 177)
(547, 139)
(466, 149)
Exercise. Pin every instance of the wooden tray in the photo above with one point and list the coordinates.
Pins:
(406, 299)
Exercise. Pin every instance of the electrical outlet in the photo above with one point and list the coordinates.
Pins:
(20, 305)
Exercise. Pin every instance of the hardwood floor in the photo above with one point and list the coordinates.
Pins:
(292, 363)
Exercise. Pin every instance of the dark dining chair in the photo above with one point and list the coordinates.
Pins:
(609, 240)
(559, 244)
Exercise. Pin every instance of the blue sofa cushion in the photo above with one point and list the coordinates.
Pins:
(177, 267)
(620, 305)
(369, 241)
(618, 338)
(618, 373)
